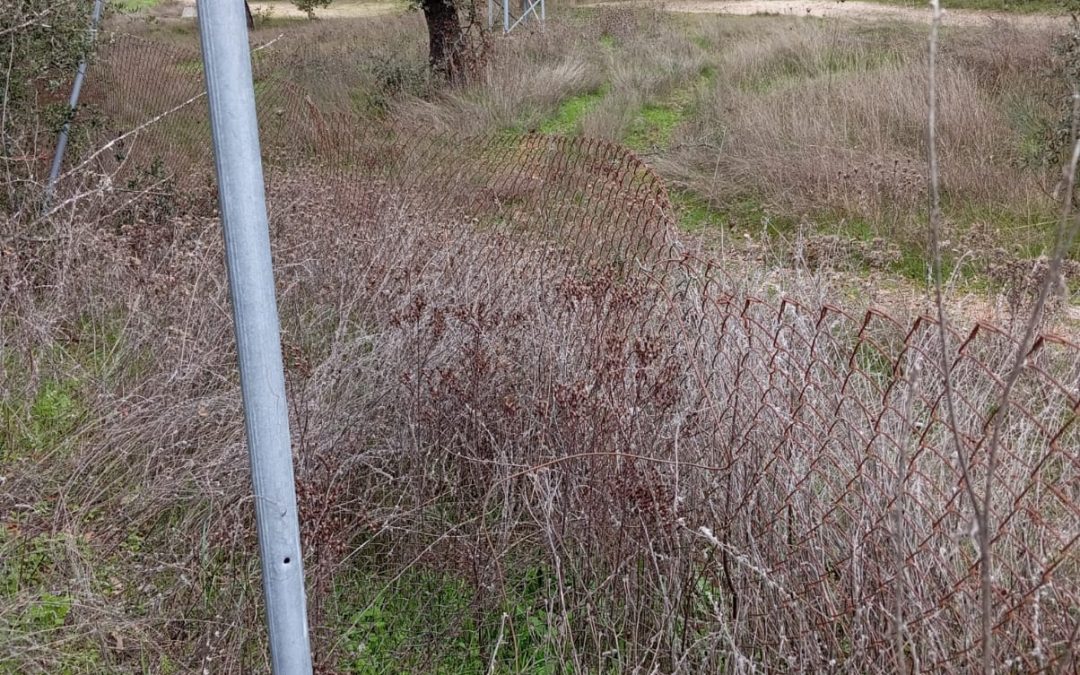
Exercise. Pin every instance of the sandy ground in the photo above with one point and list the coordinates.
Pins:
(338, 8)
(852, 9)
(835, 9)
(284, 9)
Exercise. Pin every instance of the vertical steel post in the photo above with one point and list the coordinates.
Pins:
(233, 125)
(491, 14)
(73, 102)
(543, 13)
(506, 16)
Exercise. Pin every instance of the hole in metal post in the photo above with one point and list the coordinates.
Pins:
(287, 560)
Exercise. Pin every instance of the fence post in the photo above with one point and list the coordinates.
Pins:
(234, 128)
(73, 102)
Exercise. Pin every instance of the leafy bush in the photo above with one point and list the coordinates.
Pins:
(309, 6)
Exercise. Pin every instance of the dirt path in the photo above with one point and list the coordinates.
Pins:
(856, 10)
(339, 9)
(837, 9)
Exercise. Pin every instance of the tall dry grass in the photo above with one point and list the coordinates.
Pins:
(631, 460)
(817, 117)
(701, 480)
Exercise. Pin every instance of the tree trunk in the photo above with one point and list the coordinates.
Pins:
(445, 44)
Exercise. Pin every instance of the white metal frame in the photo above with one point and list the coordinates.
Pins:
(501, 11)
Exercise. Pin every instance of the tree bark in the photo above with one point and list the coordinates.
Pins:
(445, 43)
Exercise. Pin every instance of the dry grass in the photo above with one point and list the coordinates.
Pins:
(817, 119)
(534, 430)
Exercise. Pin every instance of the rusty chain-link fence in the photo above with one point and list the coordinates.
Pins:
(715, 477)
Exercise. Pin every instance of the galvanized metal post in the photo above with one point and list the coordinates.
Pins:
(73, 102)
(227, 61)
(506, 16)
(491, 13)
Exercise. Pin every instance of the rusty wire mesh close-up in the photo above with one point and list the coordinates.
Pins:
(715, 476)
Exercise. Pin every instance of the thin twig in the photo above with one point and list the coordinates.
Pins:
(982, 535)
(1064, 238)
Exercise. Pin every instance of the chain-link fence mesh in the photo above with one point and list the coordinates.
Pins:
(715, 478)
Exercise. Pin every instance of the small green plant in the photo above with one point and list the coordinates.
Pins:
(44, 424)
(422, 617)
(309, 6)
(50, 612)
(134, 5)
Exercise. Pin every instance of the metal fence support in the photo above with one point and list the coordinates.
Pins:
(234, 128)
(73, 102)
(522, 11)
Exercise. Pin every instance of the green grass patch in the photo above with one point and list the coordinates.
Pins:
(655, 123)
(191, 66)
(915, 264)
(1023, 233)
(32, 574)
(567, 119)
(694, 214)
(434, 621)
(1034, 128)
(653, 126)
(42, 424)
(133, 5)
(788, 67)
(746, 214)
(851, 226)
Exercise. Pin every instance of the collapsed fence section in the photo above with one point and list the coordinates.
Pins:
(709, 478)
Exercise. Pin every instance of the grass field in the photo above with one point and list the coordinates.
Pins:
(813, 126)
(134, 5)
(508, 467)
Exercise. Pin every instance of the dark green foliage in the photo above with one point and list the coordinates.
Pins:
(310, 6)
